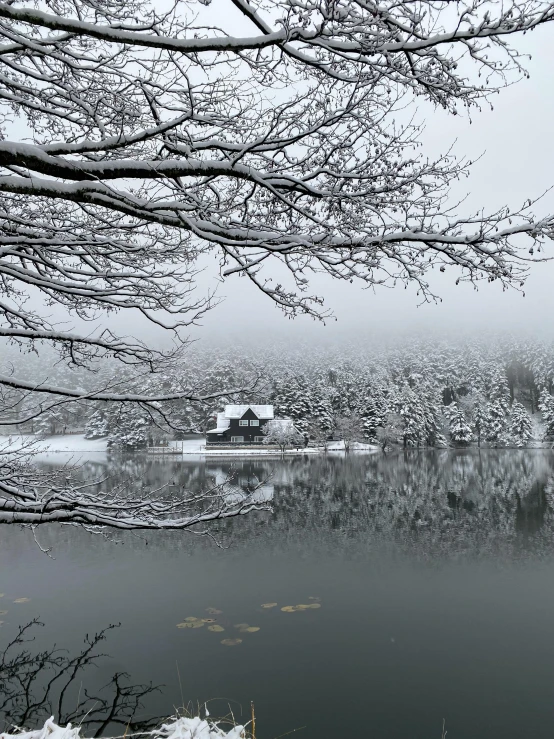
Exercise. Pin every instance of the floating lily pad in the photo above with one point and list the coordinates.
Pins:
(214, 611)
(313, 597)
(251, 629)
(216, 627)
(303, 606)
(241, 626)
(289, 609)
(190, 619)
(190, 625)
(315, 605)
(231, 642)
(269, 605)
(22, 600)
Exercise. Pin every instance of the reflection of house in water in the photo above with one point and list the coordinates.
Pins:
(243, 484)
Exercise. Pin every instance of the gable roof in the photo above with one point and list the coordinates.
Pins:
(238, 411)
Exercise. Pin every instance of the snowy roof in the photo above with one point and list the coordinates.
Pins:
(217, 430)
(238, 411)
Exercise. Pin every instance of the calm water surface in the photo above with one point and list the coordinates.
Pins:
(435, 574)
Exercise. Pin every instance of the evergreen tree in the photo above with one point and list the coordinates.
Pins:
(460, 430)
(97, 425)
(479, 417)
(546, 405)
(521, 427)
(372, 415)
(495, 421)
(413, 418)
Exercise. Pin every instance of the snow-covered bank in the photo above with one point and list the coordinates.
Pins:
(76, 448)
(180, 728)
(72, 448)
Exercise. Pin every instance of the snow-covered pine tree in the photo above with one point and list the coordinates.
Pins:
(546, 406)
(372, 415)
(433, 417)
(128, 428)
(495, 421)
(97, 425)
(413, 418)
(521, 427)
(460, 430)
(479, 417)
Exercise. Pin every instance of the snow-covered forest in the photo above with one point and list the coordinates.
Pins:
(414, 394)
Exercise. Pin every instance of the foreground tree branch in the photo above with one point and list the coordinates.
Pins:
(32, 497)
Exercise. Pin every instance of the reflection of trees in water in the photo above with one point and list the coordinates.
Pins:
(52, 682)
(450, 500)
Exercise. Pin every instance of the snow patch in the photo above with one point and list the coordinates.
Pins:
(181, 728)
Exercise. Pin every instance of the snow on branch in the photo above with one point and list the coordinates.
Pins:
(31, 497)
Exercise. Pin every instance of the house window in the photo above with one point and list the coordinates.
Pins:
(259, 438)
(243, 423)
(255, 423)
(237, 438)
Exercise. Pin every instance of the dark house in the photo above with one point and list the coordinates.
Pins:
(240, 424)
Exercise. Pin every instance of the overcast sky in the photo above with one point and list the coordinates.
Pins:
(516, 142)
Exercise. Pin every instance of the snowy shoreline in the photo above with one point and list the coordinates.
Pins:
(75, 447)
(77, 444)
(179, 728)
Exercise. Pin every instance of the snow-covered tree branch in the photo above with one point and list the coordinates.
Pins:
(31, 497)
(149, 137)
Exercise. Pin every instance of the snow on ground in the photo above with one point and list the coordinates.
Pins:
(75, 448)
(338, 446)
(181, 728)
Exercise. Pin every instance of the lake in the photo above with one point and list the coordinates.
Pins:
(434, 573)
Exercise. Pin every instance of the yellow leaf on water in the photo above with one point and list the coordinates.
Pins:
(231, 642)
(216, 627)
(190, 625)
(289, 609)
(269, 605)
